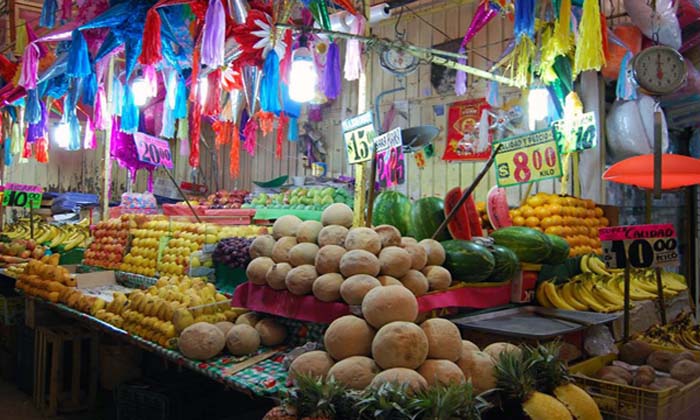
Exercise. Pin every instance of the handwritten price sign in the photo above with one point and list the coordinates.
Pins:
(577, 133)
(640, 246)
(21, 195)
(527, 158)
(390, 158)
(358, 133)
(153, 150)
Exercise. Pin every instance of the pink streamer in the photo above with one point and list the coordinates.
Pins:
(149, 73)
(353, 51)
(30, 67)
(100, 117)
(250, 132)
(484, 14)
(89, 140)
(66, 9)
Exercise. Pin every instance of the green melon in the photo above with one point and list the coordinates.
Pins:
(530, 245)
(392, 208)
(507, 264)
(467, 261)
(560, 250)
(427, 215)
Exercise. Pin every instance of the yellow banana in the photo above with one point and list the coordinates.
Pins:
(635, 292)
(597, 266)
(649, 285)
(601, 291)
(673, 283)
(581, 292)
(584, 264)
(565, 293)
(551, 293)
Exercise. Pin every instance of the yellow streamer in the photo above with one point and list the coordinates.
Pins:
(589, 47)
(524, 52)
(21, 38)
(563, 39)
(547, 57)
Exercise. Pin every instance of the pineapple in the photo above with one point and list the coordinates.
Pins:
(389, 401)
(314, 398)
(552, 377)
(447, 402)
(516, 383)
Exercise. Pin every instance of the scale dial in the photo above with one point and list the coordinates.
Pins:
(398, 62)
(659, 70)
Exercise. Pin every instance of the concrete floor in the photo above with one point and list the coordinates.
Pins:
(16, 405)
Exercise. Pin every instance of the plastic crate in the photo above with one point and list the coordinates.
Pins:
(628, 402)
(74, 256)
(11, 309)
(227, 279)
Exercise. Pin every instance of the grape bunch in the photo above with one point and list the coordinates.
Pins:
(233, 252)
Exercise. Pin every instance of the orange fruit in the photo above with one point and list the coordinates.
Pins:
(570, 201)
(546, 222)
(541, 212)
(590, 204)
(515, 213)
(604, 221)
(554, 208)
(519, 221)
(554, 230)
(598, 212)
(527, 211)
(535, 200)
(532, 221)
(556, 220)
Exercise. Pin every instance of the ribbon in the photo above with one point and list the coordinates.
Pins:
(66, 9)
(129, 112)
(266, 121)
(269, 87)
(21, 39)
(8, 151)
(562, 39)
(214, 38)
(78, 56)
(151, 48)
(353, 50)
(48, 14)
(89, 135)
(589, 46)
(41, 150)
(332, 79)
(212, 105)
(250, 132)
(524, 24)
(234, 157)
(483, 15)
(195, 120)
(282, 125)
(30, 67)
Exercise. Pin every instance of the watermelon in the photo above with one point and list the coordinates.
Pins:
(459, 226)
(427, 215)
(507, 264)
(560, 250)
(467, 261)
(530, 245)
(392, 208)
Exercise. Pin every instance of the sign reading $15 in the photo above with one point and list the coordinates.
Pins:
(358, 133)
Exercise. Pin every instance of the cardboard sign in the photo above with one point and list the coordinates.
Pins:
(527, 158)
(21, 195)
(463, 141)
(358, 133)
(390, 158)
(153, 150)
(640, 246)
(577, 133)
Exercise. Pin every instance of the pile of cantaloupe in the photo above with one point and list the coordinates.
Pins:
(334, 261)
(388, 346)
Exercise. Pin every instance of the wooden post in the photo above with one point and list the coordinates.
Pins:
(626, 325)
(660, 291)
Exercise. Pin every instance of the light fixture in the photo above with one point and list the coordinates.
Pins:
(537, 106)
(142, 91)
(302, 76)
(203, 89)
(61, 135)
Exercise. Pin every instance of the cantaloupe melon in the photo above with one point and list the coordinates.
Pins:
(479, 367)
(355, 372)
(354, 288)
(328, 259)
(337, 214)
(394, 261)
(224, 326)
(280, 252)
(300, 280)
(348, 336)
(444, 339)
(383, 305)
(359, 261)
(495, 349)
(326, 288)
(434, 251)
(303, 253)
(262, 246)
(332, 235)
(441, 371)
(248, 318)
(308, 231)
(242, 339)
(286, 226)
(257, 270)
(363, 238)
(407, 240)
(276, 276)
(469, 346)
(389, 235)
(416, 282)
(271, 332)
(400, 376)
(400, 344)
(315, 364)
(439, 278)
(418, 256)
(201, 341)
(389, 281)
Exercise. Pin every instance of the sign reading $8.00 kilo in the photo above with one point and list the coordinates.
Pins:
(527, 158)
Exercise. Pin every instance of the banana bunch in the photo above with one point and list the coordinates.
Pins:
(682, 332)
(68, 235)
(14, 270)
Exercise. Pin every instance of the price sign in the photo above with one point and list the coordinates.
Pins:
(21, 195)
(576, 133)
(640, 246)
(358, 133)
(527, 158)
(390, 158)
(153, 150)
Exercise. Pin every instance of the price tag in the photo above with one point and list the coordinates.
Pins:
(641, 246)
(21, 195)
(577, 133)
(153, 150)
(390, 158)
(358, 133)
(527, 158)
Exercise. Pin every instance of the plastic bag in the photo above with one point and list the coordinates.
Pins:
(630, 129)
(667, 23)
(599, 341)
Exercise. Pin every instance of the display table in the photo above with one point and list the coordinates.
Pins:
(273, 214)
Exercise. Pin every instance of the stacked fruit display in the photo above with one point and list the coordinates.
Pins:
(143, 255)
(250, 231)
(333, 261)
(110, 241)
(46, 280)
(233, 252)
(599, 290)
(682, 333)
(576, 220)
(224, 199)
(23, 248)
(68, 236)
(302, 199)
(185, 239)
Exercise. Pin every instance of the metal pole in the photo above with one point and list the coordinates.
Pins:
(660, 291)
(626, 325)
(182, 194)
(657, 154)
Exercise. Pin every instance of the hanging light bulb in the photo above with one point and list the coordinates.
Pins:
(61, 135)
(537, 106)
(203, 89)
(142, 91)
(302, 76)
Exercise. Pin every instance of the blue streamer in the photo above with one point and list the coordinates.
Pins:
(48, 14)
(89, 89)
(117, 96)
(130, 112)
(524, 24)
(269, 85)
(626, 88)
(290, 107)
(78, 57)
(32, 114)
(293, 130)
(8, 151)
(74, 139)
(181, 99)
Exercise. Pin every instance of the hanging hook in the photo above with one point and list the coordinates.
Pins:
(399, 34)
